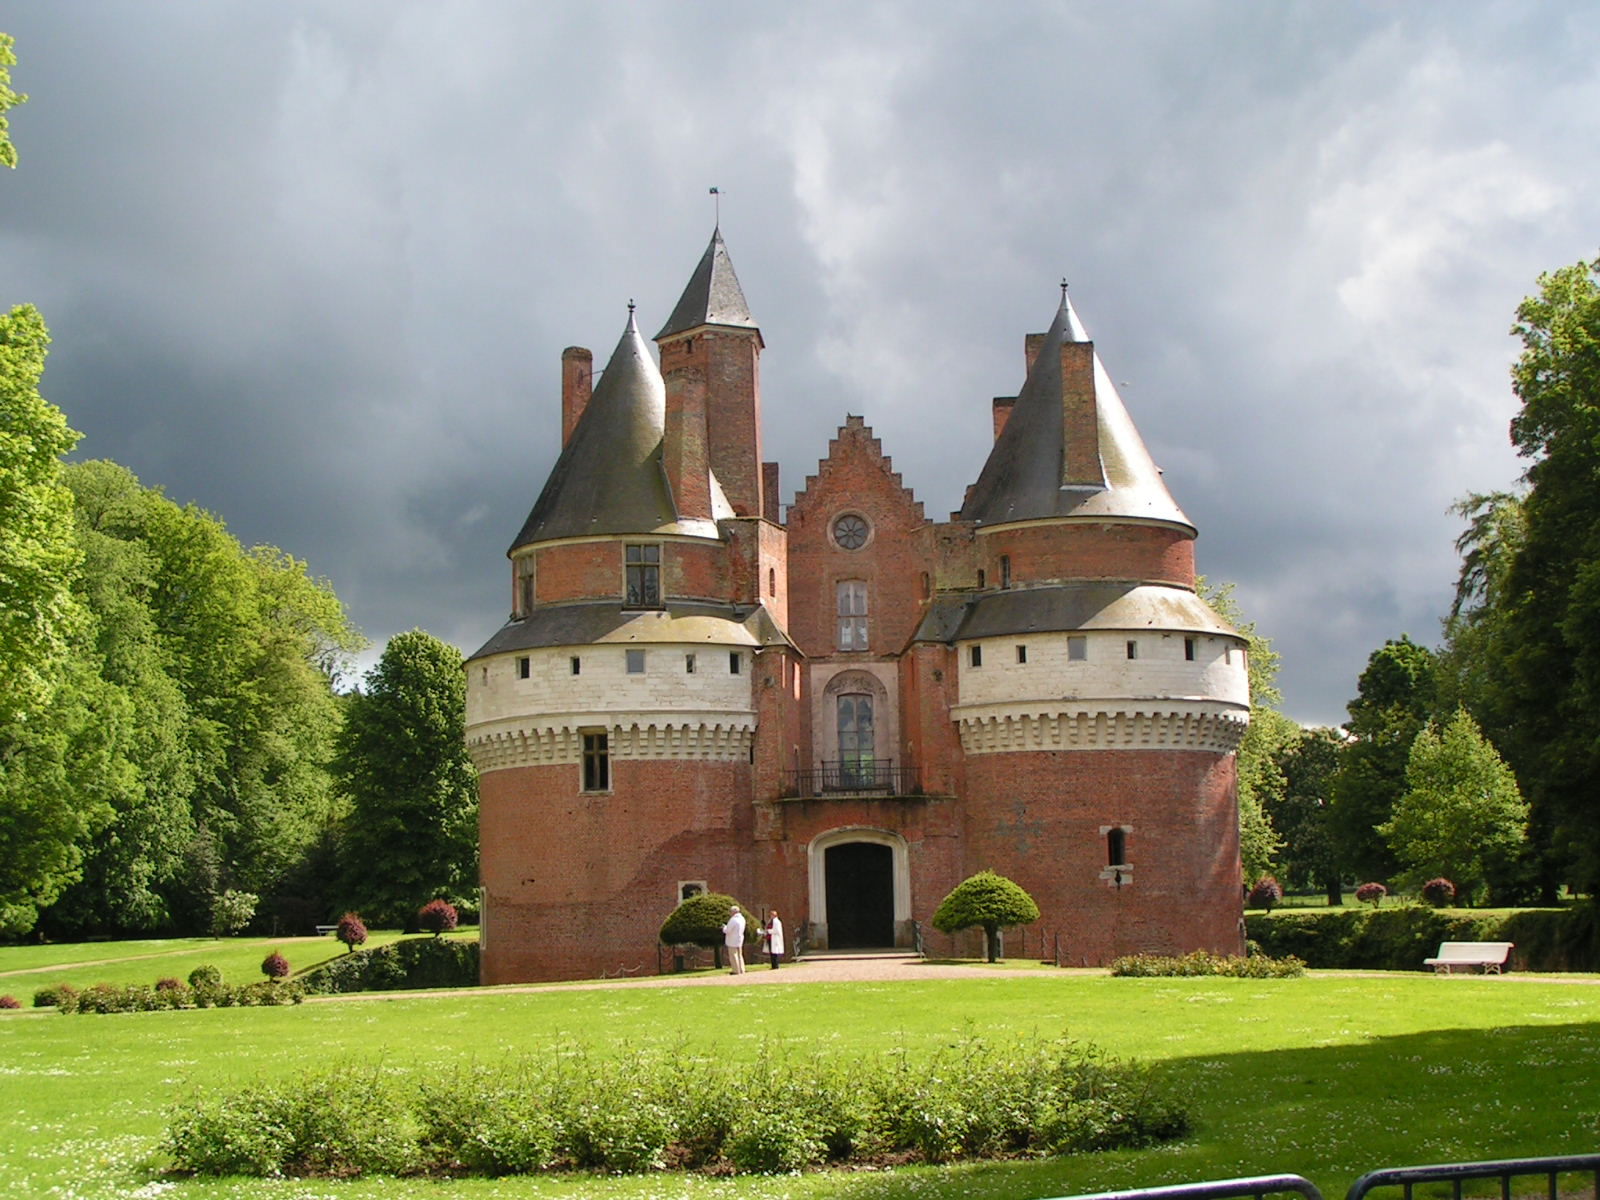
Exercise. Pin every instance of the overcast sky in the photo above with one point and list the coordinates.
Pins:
(312, 265)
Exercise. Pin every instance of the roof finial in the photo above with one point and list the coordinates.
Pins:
(1063, 290)
(717, 192)
(630, 306)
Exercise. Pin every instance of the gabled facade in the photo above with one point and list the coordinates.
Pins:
(843, 713)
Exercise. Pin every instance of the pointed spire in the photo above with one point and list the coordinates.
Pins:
(1069, 447)
(608, 479)
(713, 296)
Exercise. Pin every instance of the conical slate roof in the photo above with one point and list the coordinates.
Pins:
(713, 296)
(1023, 477)
(608, 479)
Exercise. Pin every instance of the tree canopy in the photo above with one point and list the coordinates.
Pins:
(988, 901)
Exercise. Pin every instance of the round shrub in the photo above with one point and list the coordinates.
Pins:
(1371, 893)
(351, 930)
(169, 984)
(437, 917)
(1267, 894)
(10, 1002)
(988, 901)
(275, 966)
(699, 920)
(58, 995)
(205, 975)
(1439, 892)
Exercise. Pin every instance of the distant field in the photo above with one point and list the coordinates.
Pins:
(1327, 1076)
(25, 969)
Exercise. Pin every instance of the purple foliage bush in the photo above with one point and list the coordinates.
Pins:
(1371, 893)
(10, 1002)
(1266, 894)
(1439, 892)
(168, 984)
(275, 966)
(437, 916)
(352, 931)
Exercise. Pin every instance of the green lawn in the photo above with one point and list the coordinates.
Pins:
(1325, 1076)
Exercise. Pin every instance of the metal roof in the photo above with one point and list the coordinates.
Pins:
(713, 296)
(1072, 608)
(610, 623)
(1022, 479)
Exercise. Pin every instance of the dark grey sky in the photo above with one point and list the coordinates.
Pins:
(312, 265)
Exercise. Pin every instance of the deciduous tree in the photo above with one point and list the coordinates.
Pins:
(987, 901)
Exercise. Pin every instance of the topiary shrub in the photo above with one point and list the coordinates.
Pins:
(1371, 893)
(1439, 892)
(54, 996)
(10, 1002)
(1267, 894)
(437, 917)
(275, 966)
(351, 930)
(989, 901)
(205, 975)
(698, 921)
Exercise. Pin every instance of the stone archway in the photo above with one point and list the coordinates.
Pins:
(860, 889)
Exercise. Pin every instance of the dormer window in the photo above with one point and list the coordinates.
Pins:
(642, 571)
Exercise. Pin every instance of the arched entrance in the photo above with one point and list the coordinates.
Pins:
(860, 883)
(860, 889)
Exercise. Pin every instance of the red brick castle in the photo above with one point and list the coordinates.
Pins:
(843, 711)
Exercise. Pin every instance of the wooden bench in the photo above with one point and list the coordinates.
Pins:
(1489, 956)
(325, 929)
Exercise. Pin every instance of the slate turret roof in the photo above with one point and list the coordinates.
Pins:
(713, 295)
(1023, 479)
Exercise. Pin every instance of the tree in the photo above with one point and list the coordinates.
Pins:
(1310, 764)
(8, 99)
(1395, 699)
(987, 900)
(412, 825)
(698, 921)
(437, 917)
(232, 912)
(1462, 814)
(352, 931)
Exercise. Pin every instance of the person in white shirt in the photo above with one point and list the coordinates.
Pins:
(733, 938)
(773, 934)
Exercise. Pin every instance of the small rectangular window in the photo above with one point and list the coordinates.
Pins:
(1227, 655)
(524, 668)
(1116, 847)
(688, 664)
(688, 889)
(1188, 649)
(642, 570)
(1005, 570)
(735, 662)
(577, 664)
(975, 656)
(1022, 654)
(1077, 649)
(635, 662)
(1133, 649)
(596, 761)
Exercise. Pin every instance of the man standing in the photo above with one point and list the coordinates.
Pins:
(733, 938)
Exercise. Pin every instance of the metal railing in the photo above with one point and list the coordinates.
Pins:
(1255, 1186)
(1503, 1170)
(853, 777)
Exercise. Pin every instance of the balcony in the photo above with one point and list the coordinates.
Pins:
(877, 777)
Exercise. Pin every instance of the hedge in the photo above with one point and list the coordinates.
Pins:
(433, 962)
(1399, 937)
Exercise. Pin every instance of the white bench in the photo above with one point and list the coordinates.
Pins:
(1489, 956)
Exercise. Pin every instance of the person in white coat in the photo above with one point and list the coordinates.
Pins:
(773, 936)
(733, 939)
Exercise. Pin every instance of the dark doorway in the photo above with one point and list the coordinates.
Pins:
(860, 883)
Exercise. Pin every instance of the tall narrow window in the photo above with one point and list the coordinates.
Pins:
(525, 587)
(735, 662)
(852, 613)
(1022, 654)
(1188, 649)
(524, 668)
(643, 576)
(1005, 570)
(1116, 847)
(856, 741)
(1077, 648)
(688, 664)
(577, 665)
(1133, 649)
(975, 656)
(596, 761)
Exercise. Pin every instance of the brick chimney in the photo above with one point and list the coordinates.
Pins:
(577, 385)
(684, 455)
(1080, 417)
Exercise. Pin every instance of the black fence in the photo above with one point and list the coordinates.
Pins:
(863, 776)
(1255, 1186)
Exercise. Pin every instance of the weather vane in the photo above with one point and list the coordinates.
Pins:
(717, 192)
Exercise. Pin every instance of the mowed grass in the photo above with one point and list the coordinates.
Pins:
(1327, 1076)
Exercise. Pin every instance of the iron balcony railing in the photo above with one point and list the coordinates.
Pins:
(853, 777)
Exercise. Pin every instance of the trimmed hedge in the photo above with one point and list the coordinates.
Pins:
(433, 962)
(1201, 962)
(1398, 938)
(565, 1110)
(138, 997)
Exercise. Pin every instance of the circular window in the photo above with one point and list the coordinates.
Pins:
(850, 532)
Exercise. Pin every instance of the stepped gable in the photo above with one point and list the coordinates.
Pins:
(1069, 448)
(713, 295)
(855, 434)
(608, 479)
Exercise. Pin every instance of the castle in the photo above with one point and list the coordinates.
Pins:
(843, 711)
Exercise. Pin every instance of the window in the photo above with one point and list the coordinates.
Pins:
(688, 889)
(735, 662)
(850, 532)
(1005, 570)
(856, 741)
(1077, 648)
(1227, 654)
(927, 586)
(688, 664)
(981, 578)
(577, 664)
(1022, 654)
(635, 662)
(1188, 649)
(524, 667)
(643, 576)
(596, 761)
(772, 581)
(975, 656)
(525, 587)
(852, 611)
(1116, 847)
(1133, 649)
